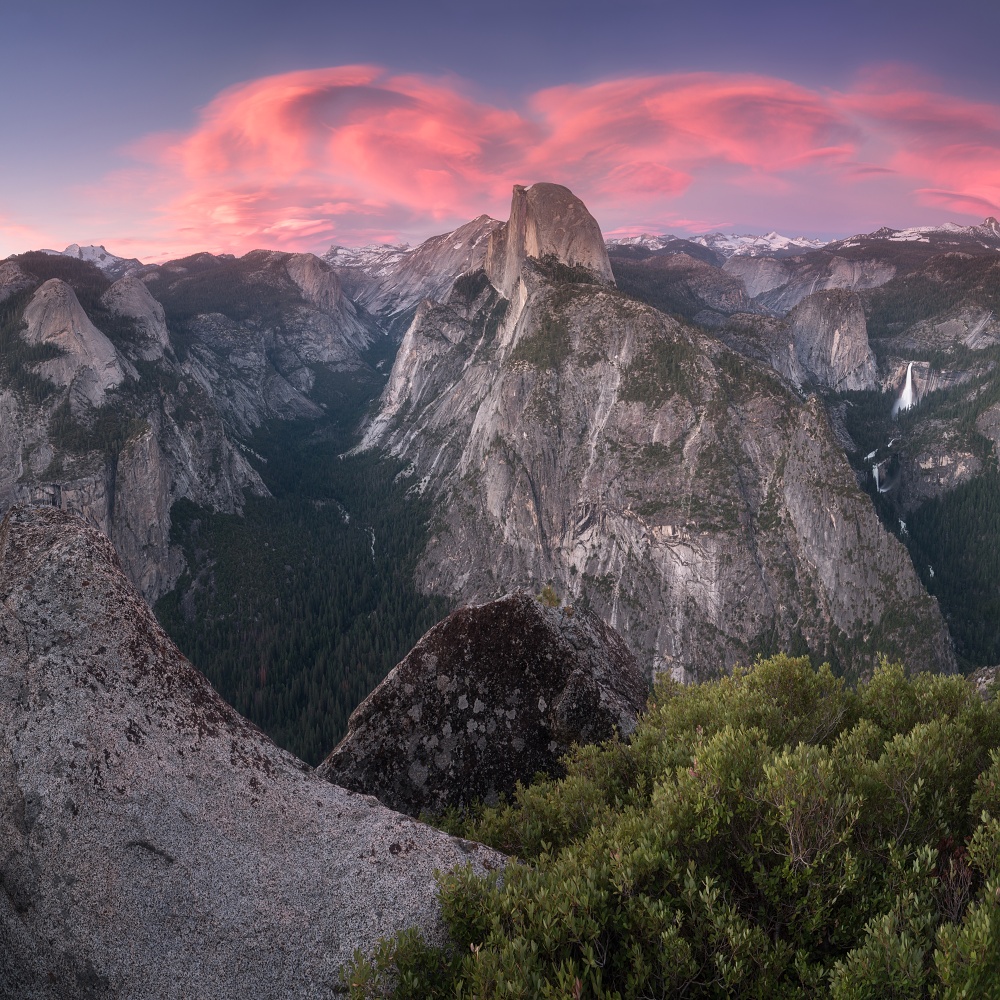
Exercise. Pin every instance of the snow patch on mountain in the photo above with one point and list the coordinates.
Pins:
(376, 259)
(987, 234)
(731, 245)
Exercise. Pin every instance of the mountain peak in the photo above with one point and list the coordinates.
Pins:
(546, 220)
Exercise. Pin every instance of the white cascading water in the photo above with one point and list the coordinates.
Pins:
(906, 399)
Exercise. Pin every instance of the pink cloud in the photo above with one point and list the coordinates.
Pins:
(354, 153)
(16, 236)
(948, 145)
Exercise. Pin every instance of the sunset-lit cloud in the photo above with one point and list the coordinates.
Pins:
(17, 234)
(356, 154)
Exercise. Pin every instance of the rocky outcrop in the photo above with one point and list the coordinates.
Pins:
(694, 499)
(781, 284)
(986, 679)
(245, 340)
(321, 288)
(489, 697)
(12, 280)
(546, 220)
(830, 336)
(968, 326)
(88, 361)
(152, 842)
(129, 297)
(392, 283)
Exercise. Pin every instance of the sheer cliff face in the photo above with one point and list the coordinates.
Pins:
(575, 436)
(116, 414)
(391, 291)
(152, 842)
(86, 361)
(546, 220)
(780, 285)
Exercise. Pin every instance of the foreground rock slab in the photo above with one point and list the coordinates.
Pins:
(491, 695)
(152, 842)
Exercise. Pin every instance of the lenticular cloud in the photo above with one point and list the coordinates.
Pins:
(356, 153)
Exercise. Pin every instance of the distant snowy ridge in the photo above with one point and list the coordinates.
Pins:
(376, 259)
(987, 234)
(732, 245)
(100, 256)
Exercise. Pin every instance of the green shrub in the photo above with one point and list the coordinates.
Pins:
(773, 834)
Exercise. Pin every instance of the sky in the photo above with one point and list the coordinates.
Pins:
(160, 130)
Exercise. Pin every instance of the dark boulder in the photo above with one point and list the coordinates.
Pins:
(489, 696)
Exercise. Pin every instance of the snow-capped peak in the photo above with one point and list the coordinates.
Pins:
(987, 234)
(98, 255)
(646, 240)
(375, 258)
(750, 245)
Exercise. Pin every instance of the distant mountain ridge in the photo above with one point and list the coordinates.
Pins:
(727, 245)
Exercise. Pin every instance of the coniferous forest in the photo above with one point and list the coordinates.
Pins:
(297, 609)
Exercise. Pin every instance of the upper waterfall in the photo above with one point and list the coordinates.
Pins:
(906, 398)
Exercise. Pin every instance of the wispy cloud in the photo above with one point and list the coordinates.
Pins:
(357, 153)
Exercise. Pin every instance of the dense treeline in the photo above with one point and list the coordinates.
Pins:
(251, 288)
(297, 609)
(654, 287)
(773, 835)
(955, 541)
(947, 281)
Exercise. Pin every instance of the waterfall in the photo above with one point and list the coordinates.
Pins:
(906, 400)
(875, 474)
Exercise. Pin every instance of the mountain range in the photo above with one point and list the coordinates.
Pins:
(694, 451)
(660, 428)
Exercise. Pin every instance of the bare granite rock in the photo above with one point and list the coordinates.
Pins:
(830, 335)
(780, 285)
(546, 220)
(490, 696)
(89, 362)
(129, 297)
(153, 843)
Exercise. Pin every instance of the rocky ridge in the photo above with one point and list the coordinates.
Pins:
(576, 437)
(390, 281)
(148, 386)
(488, 697)
(152, 842)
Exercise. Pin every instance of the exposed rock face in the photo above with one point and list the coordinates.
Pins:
(12, 279)
(546, 220)
(89, 362)
(152, 842)
(321, 288)
(129, 297)
(578, 437)
(986, 678)
(831, 341)
(970, 326)
(391, 285)
(684, 285)
(246, 339)
(488, 697)
(780, 285)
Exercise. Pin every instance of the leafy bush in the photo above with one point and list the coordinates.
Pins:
(774, 834)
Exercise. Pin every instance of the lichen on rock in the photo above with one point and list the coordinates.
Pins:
(488, 697)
